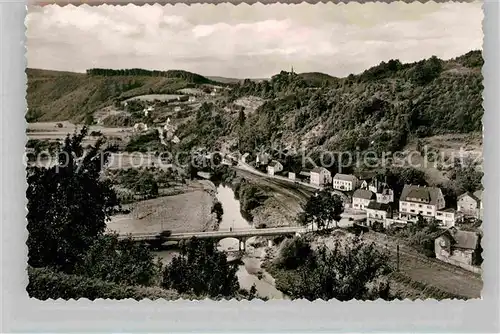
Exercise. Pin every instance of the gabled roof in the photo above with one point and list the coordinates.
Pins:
(364, 194)
(378, 206)
(274, 163)
(344, 177)
(462, 239)
(428, 195)
(319, 170)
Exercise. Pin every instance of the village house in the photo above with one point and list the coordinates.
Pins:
(361, 198)
(262, 159)
(419, 200)
(363, 184)
(274, 167)
(458, 247)
(471, 204)
(345, 182)
(382, 190)
(320, 176)
(446, 217)
(291, 176)
(377, 213)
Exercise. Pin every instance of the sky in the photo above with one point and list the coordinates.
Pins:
(249, 41)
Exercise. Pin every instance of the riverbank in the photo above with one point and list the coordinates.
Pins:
(190, 211)
(280, 202)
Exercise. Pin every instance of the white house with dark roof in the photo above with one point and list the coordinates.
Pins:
(361, 198)
(378, 213)
(274, 167)
(416, 200)
(320, 176)
(345, 182)
(471, 204)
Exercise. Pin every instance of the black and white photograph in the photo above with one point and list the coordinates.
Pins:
(255, 152)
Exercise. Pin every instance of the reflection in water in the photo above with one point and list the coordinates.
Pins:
(250, 272)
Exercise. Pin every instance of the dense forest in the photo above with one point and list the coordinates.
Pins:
(380, 108)
(185, 75)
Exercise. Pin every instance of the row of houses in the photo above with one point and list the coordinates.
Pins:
(415, 201)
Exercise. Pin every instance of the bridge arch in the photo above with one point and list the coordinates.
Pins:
(231, 243)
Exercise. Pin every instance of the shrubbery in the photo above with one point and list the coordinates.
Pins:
(48, 284)
(202, 270)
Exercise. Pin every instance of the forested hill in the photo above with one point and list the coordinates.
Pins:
(379, 108)
(55, 95)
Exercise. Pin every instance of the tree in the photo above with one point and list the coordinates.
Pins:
(241, 116)
(68, 205)
(344, 272)
(202, 270)
(119, 261)
(323, 208)
(294, 253)
(218, 210)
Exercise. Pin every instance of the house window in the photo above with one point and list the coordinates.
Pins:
(429, 207)
(429, 213)
(403, 203)
(412, 204)
(412, 210)
(420, 205)
(420, 211)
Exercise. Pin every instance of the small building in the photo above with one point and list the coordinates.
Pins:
(262, 159)
(363, 184)
(446, 217)
(361, 198)
(377, 213)
(419, 200)
(382, 190)
(192, 99)
(274, 167)
(291, 176)
(183, 98)
(345, 182)
(320, 176)
(471, 204)
(457, 247)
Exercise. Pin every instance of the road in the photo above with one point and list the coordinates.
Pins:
(216, 234)
(311, 187)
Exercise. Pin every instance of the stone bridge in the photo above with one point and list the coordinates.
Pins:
(241, 235)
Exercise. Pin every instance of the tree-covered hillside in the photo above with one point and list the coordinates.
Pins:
(54, 95)
(380, 108)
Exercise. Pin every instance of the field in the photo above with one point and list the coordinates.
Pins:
(50, 131)
(187, 212)
(430, 272)
(153, 97)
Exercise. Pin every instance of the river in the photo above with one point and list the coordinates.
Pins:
(250, 272)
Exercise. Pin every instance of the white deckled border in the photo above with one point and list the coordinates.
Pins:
(21, 314)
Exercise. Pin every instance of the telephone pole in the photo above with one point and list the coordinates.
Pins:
(397, 257)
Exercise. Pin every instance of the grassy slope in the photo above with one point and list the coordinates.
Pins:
(54, 95)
